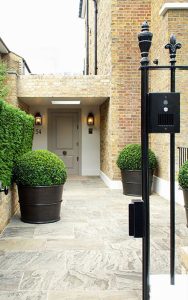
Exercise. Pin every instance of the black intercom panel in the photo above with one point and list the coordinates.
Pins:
(164, 112)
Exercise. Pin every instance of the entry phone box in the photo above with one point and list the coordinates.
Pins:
(164, 112)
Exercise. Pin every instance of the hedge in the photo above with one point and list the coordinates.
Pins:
(16, 135)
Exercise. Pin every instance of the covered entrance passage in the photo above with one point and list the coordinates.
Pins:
(64, 104)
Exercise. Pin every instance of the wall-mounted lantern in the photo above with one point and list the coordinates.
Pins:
(38, 119)
(90, 119)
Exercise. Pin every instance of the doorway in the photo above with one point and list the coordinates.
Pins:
(64, 138)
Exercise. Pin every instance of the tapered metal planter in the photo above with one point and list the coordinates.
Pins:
(185, 195)
(132, 182)
(41, 204)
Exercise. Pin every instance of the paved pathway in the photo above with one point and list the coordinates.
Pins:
(88, 254)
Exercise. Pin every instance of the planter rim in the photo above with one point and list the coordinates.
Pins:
(40, 186)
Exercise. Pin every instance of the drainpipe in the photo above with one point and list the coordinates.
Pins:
(26, 65)
(96, 12)
(87, 38)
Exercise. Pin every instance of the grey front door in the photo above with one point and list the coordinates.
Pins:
(63, 138)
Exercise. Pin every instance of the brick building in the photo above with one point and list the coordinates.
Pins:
(109, 89)
(116, 47)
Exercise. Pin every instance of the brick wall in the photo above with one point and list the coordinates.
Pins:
(63, 86)
(12, 97)
(159, 80)
(121, 119)
(174, 21)
(8, 206)
(105, 140)
(14, 62)
(103, 37)
(91, 38)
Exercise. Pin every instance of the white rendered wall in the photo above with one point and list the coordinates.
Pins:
(40, 140)
(90, 143)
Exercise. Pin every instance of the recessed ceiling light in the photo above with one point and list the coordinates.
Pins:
(66, 102)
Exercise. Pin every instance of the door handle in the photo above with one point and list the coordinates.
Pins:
(64, 152)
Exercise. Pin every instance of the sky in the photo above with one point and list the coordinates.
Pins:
(47, 33)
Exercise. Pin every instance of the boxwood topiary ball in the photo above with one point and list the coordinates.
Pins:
(130, 158)
(39, 168)
(183, 175)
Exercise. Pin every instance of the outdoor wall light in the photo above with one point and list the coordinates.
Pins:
(90, 119)
(38, 119)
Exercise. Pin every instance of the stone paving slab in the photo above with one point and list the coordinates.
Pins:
(17, 244)
(10, 280)
(103, 295)
(23, 296)
(88, 254)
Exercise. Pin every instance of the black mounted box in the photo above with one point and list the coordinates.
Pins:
(164, 112)
(136, 218)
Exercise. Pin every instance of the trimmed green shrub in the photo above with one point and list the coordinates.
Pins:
(39, 168)
(183, 175)
(130, 158)
(16, 132)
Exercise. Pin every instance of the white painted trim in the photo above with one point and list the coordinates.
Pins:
(112, 184)
(175, 5)
(162, 187)
(90, 172)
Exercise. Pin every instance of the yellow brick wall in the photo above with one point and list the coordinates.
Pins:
(63, 86)
(159, 81)
(105, 140)
(91, 38)
(103, 37)
(12, 97)
(174, 21)
(8, 206)
(121, 117)
(14, 62)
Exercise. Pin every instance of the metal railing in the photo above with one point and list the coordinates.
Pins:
(183, 155)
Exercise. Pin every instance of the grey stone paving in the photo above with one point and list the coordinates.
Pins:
(88, 254)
